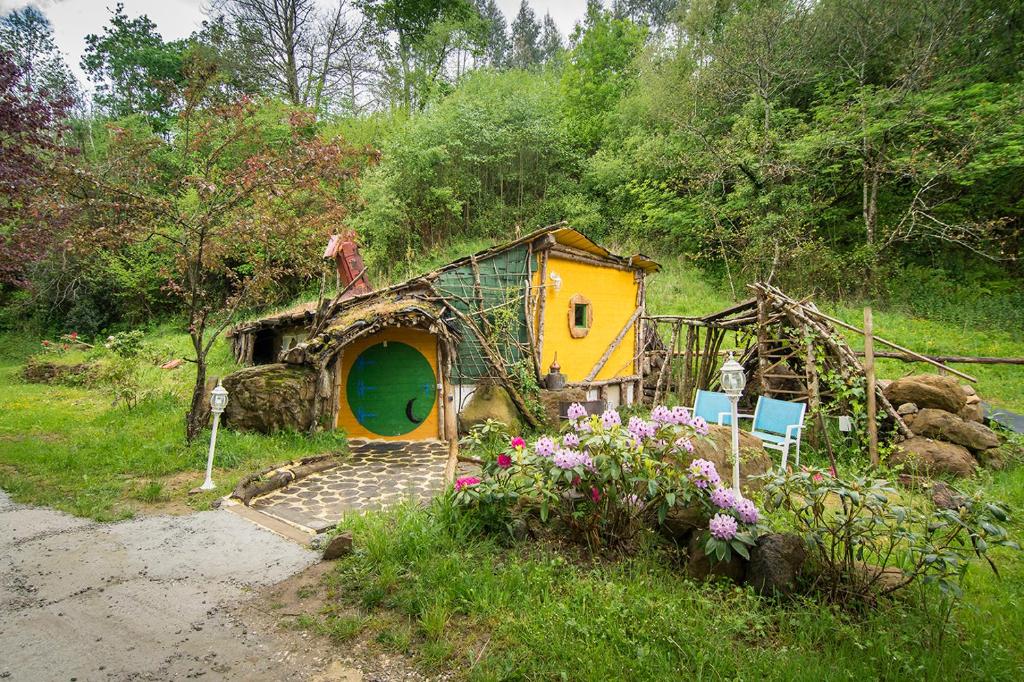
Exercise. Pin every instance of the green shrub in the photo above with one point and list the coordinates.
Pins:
(858, 531)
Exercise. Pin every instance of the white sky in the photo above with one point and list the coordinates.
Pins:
(74, 19)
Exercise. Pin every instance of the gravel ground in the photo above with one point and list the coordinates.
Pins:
(153, 598)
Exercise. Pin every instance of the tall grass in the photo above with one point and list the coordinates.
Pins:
(423, 583)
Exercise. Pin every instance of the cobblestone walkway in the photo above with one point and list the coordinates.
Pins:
(378, 474)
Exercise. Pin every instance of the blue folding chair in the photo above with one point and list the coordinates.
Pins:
(713, 407)
(779, 425)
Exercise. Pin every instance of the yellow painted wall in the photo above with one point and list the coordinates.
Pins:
(612, 295)
(422, 341)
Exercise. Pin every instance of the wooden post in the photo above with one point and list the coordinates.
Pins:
(762, 342)
(869, 373)
(451, 427)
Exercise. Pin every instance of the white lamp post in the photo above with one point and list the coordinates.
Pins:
(218, 401)
(734, 379)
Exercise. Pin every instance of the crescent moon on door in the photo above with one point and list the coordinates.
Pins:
(408, 412)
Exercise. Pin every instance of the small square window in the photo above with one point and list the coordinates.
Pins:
(580, 315)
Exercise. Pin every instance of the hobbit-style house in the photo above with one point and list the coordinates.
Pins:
(417, 359)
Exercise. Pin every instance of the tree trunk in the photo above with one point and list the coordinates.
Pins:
(195, 419)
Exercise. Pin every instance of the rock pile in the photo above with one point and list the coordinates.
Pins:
(947, 420)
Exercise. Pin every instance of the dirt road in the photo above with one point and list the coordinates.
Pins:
(147, 599)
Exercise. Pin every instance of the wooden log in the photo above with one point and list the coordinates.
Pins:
(879, 339)
(762, 341)
(960, 359)
(869, 373)
(499, 366)
(685, 396)
(541, 305)
(668, 361)
(603, 360)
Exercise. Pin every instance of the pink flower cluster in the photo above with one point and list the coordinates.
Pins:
(570, 459)
(576, 412)
(723, 527)
(723, 498)
(703, 473)
(610, 418)
(545, 446)
(465, 482)
(747, 511)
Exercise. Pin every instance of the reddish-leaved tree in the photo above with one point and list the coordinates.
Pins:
(239, 197)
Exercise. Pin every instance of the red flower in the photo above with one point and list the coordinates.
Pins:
(504, 461)
(46, 343)
(466, 482)
(518, 442)
(595, 494)
(73, 336)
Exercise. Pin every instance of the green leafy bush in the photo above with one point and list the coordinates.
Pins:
(865, 542)
(603, 481)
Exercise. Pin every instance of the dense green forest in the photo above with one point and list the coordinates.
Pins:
(847, 148)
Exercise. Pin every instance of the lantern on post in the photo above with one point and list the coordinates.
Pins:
(734, 379)
(218, 401)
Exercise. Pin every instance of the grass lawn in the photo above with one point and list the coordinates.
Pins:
(68, 447)
(423, 584)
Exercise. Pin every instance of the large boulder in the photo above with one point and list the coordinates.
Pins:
(776, 563)
(269, 398)
(934, 457)
(928, 390)
(490, 401)
(951, 428)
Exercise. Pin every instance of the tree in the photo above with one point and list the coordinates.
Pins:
(27, 34)
(497, 47)
(599, 70)
(134, 70)
(236, 197)
(302, 53)
(551, 46)
(30, 118)
(526, 52)
(415, 40)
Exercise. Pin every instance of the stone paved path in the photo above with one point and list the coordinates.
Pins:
(378, 474)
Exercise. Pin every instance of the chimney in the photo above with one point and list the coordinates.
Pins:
(343, 249)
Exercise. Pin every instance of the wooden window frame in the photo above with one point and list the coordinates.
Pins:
(575, 331)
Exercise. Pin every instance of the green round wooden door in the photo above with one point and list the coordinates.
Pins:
(391, 388)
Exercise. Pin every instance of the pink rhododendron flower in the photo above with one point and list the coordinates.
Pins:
(661, 415)
(576, 411)
(545, 446)
(723, 498)
(504, 461)
(747, 511)
(610, 418)
(570, 440)
(703, 473)
(465, 482)
(680, 415)
(518, 442)
(723, 526)
(684, 444)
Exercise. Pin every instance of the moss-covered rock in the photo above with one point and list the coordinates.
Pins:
(269, 398)
(490, 401)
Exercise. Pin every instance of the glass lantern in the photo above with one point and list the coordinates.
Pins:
(734, 378)
(218, 398)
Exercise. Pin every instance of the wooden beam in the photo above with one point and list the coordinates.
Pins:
(907, 351)
(869, 373)
(542, 299)
(962, 359)
(668, 361)
(603, 360)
